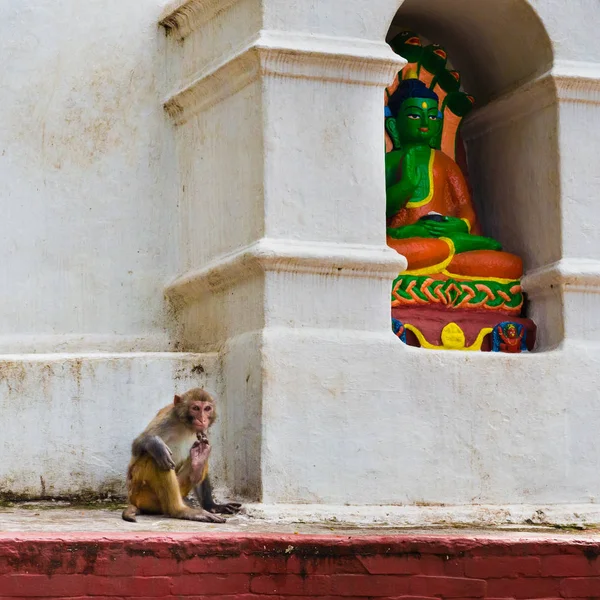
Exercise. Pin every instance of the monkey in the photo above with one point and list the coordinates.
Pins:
(170, 458)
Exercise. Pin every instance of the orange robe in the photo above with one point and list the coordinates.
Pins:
(449, 196)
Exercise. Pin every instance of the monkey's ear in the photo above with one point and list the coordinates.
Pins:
(176, 399)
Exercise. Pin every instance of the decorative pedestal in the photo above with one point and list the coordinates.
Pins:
(472, 330)
(442, 313)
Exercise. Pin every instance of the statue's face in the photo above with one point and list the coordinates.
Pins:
(418, 121)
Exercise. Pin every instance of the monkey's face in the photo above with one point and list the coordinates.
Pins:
(201, 415)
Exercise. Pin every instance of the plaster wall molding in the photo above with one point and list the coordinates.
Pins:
(567, 81)
(577, 81)
(289, 256)
(275, 53)
(569, 274)
(182, 17)
(56, 359)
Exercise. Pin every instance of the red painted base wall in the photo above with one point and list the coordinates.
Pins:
(271, 567)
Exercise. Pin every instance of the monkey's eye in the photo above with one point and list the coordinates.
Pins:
(196, 408)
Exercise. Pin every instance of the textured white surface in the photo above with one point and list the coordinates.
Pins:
(88, 219)
(258, 208)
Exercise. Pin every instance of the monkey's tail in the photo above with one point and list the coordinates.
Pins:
(130, 513)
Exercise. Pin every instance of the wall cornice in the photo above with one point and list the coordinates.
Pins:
(568, 274)
(274, 53)
(567, 81)
(182, 17)
(289, 256)
(577, 81)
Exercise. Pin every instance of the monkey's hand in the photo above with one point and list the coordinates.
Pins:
(160, 452)
(199, 454)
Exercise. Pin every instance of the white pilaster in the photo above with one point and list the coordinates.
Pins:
(276, 237)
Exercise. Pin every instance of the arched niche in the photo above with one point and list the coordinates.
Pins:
(496, 45)
(504, 55)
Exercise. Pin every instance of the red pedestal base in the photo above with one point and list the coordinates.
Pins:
(430, 321)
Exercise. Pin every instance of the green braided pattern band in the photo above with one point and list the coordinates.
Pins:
(410, 290)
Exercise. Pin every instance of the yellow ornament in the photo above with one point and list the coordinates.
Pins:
(453, 337)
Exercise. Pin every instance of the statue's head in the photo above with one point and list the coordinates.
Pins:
(415, 116)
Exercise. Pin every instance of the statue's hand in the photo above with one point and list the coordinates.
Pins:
(446, 227)
(411, 176)
(408, 231)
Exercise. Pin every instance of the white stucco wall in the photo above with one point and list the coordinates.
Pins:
(86, 166)
(255, 202)
(90, 237)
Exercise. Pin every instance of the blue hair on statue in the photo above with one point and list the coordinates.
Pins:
(409, 88)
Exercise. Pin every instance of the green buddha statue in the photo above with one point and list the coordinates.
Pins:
(430, 214)
(461, 291)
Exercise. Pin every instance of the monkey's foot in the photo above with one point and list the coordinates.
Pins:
(130, 513)
(202, 516)
(231, 508)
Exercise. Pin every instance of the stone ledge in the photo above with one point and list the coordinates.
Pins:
(567, 81)
(570, 274)
(484, 515)
(499, 520)
(274, 53)
(86, 342)
(58, 358)
(291, 256)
